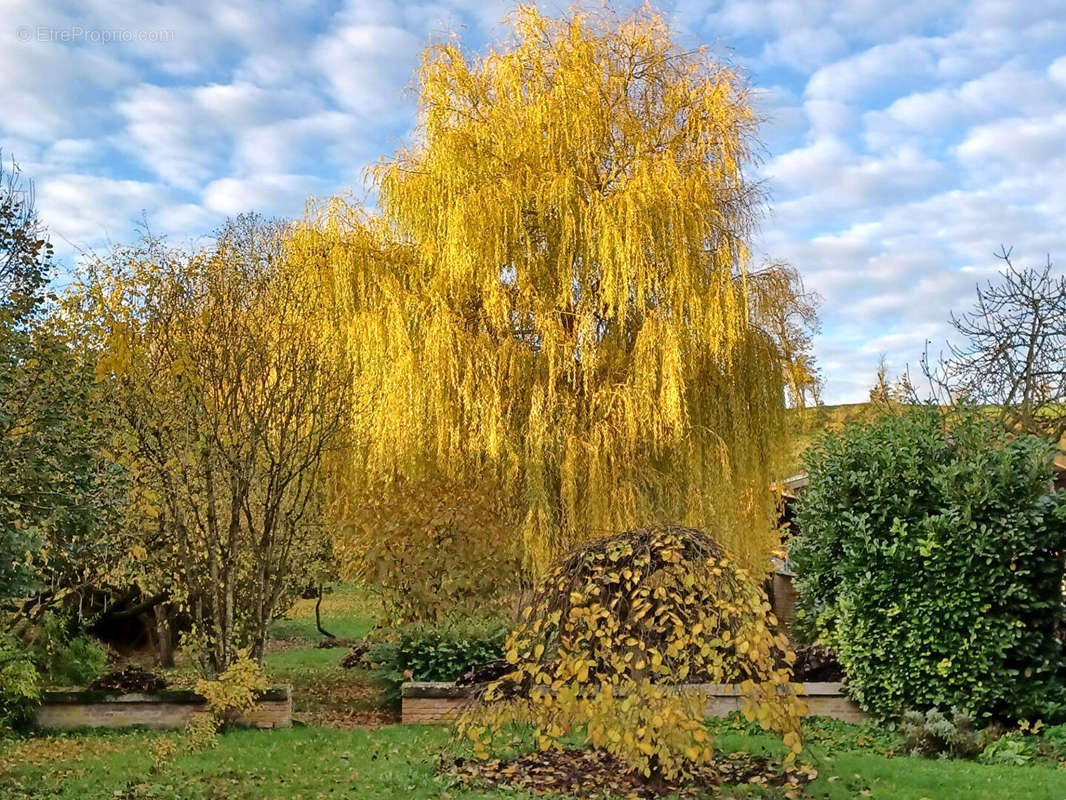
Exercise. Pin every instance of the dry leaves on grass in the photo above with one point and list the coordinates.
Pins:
(348, 720)
(594, 773)
(56, 749)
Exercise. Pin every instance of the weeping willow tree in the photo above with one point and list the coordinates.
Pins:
(551, 301)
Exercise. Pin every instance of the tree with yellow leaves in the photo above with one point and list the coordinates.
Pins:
(226, 401)
(554, 293)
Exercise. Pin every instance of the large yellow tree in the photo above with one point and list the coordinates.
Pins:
(551, 301)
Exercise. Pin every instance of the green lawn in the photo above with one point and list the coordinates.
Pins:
(400, 762)
(345, 745)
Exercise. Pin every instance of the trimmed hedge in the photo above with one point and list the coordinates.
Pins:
(931, 557)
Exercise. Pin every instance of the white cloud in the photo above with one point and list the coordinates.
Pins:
(1020, 144)
(368, 67)
(906, 140)
(279, 194)
(85, 212)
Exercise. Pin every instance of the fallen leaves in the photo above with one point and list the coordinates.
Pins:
(580, 773)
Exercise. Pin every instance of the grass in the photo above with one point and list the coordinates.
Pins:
(399, 762)
(323, 691)
(344, 746)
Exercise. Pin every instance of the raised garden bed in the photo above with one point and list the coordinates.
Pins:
(432, 702)
(170, 708)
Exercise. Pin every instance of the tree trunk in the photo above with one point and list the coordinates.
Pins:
(164, 635)
(318, 617)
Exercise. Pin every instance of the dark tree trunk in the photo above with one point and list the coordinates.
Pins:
(318, 617)
(164, 636)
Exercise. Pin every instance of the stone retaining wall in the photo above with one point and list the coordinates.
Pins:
(429, 702)
(167, 709)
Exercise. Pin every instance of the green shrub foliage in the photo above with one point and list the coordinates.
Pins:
(935, 734)
(931, 556)
(20, 684)
(433, 653)
(63, 656)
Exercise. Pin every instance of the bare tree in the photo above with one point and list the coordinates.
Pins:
(1012, 352)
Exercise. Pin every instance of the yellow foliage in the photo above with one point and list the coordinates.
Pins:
(612, 632)
(554, 291)
(227, 389)
(432, 547)
(228, 696)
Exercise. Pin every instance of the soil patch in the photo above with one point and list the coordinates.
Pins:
(130, 679)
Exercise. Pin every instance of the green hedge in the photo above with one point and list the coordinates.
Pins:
(931, 556)
(20, 684)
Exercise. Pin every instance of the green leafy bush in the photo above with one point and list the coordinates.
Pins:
(20, 684)
(931, 557)
(1054, 741)
(66, 659)
(1011, 748)
(426, 653)
(937, 734)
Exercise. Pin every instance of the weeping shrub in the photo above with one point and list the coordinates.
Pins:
(613, 629)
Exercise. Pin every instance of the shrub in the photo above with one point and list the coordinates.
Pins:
(931, 557)
(1054, 741)
(20, 684)
(1011, 748)
(427, 653)
(936, 734)
(614, 627)
(229, 695)
(65, 659)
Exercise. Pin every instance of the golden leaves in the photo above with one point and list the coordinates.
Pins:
(609, 657)
(552, 292)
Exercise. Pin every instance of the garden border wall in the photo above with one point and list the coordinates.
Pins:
(425, 702)
(162, 710)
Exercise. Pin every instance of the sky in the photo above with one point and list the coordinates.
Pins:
(903, 142)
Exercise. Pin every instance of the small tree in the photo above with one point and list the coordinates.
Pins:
(229, 398)
(932, 557)
(615, 627)
(1013, 349)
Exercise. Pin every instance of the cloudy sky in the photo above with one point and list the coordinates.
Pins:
(904, 143)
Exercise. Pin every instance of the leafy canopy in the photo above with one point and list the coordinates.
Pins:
(60, 495)
(226, 398)
(554, 291)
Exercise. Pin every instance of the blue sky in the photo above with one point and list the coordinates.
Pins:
(904, 141)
